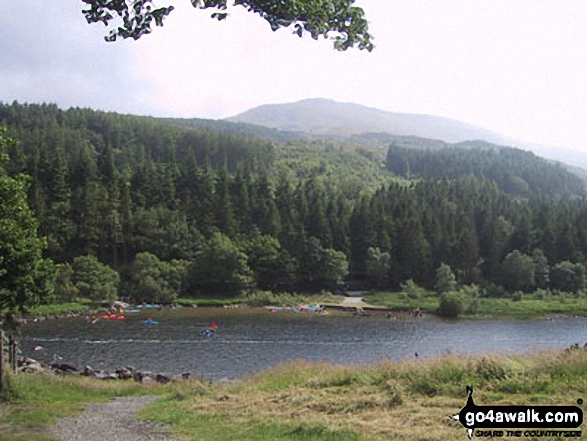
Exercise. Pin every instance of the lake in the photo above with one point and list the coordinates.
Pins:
(249, 340)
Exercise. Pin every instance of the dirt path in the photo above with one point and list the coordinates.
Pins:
(353, 300)
(112, 421)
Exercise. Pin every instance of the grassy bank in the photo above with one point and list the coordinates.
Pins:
(527, 307)
(524, 306)
(408, 400)
(262, 298)
(78, 306)
(389, 401)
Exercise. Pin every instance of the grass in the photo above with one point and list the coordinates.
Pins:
(261, 298)
(30, 403)
(400, 301)
(532, 308)
(527, 308)
(408, 400)
(303, 401)
(57, 308)
(62, 308)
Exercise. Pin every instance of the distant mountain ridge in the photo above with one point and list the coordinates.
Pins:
(319, 117)
(323, 117)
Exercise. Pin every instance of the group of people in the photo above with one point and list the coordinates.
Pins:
(209, 332)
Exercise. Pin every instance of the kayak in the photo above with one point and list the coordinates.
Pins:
(150, 322)
(113, 317)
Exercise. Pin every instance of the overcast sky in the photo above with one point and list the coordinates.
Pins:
(518, 67)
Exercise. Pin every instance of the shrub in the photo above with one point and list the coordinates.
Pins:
(413, 290)
(451, 304)
(518, 295)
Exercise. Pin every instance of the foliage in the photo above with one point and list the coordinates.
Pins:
(445, 279)
(451, 304)
(219, 269)
(155, 281)
(65, 289)
(114, 186)
(94, 280)
(412, 290)
(317, 17)
(541, 269)
(515, 171)
(518, 272)
(378, 266)
(322, 265)
(23, 272)
(270, 264)
(568, 276)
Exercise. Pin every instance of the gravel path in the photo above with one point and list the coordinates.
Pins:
(112, 421)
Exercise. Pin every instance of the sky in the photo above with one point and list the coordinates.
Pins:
(517, 67)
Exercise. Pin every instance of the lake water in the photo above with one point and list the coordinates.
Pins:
(250, 340)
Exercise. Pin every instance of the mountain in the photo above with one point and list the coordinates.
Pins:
(320, 117)
(324, 117)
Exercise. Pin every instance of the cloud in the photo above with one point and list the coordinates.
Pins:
(513, 66)
(50, 54)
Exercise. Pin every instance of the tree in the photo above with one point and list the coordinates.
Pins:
(378, 266)
(317, 17)
(567, 276)
(518, 272)
(64, 287)
(22, 268)
(322, 265)
(153, 280)
(451, 304)
(219, 268)
(445, 279)
(94, 280)
(268, 261)
(541, 269)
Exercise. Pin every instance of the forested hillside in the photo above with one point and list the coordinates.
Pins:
(201, 212)
(515, 171)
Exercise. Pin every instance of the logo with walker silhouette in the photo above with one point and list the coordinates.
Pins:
(519, 421)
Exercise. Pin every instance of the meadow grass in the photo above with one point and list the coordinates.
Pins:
(262, 298)
(303, 401)
(408, 400)
(62, 308)
(486, 307)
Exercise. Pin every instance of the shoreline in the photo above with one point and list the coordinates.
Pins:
(349, 308)
(333, 402)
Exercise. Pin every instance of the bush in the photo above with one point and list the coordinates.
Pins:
(413, 290)
(451, 304)
(495, 291)
(473, 306)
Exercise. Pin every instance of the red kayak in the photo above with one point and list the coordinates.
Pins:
(113, 317)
